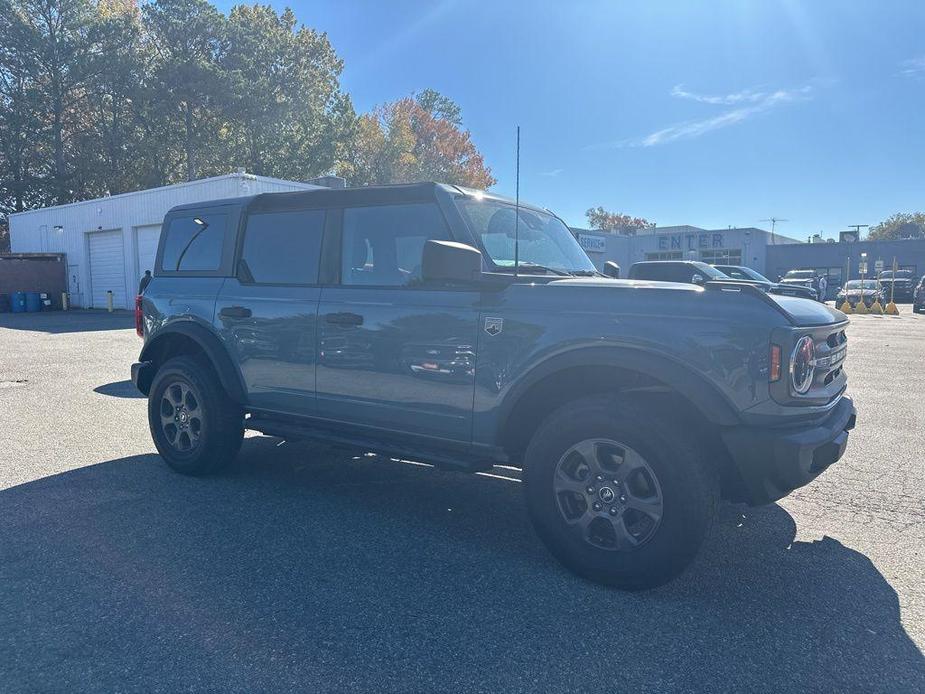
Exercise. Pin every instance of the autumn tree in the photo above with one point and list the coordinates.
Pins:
(599, 218)
(415, 139)
(902, 225)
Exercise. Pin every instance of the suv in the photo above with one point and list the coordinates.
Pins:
(805, 279)
(450, 326)
(746, 274)
(918, 301)
(898, 286)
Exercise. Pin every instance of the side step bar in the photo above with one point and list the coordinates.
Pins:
(295, 431)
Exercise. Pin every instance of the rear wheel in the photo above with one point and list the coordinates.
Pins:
(617, 493)
(195, 427)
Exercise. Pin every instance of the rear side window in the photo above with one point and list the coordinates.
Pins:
(194, 243)
(282, 247)
(383, 245)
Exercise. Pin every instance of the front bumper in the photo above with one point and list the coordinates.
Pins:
(773, 462)
(142, 375)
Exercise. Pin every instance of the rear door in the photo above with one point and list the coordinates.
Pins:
(395, 354)
(267, 313)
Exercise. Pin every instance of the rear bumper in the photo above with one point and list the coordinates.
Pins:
(142, 374)
(773, 462)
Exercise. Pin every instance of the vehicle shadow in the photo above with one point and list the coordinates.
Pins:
(74, 321)
(303, 568)
(119, 389)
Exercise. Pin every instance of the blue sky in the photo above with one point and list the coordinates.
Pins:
(707, 113)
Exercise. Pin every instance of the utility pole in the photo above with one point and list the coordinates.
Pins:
(774, 221)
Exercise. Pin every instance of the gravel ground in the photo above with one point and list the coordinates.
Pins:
(300, 568)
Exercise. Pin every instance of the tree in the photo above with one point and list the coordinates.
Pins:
(285, 113)
(902, 225)
(415, 139)
(599, 218)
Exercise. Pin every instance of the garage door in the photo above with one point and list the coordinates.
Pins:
(147, 247)
(107, 269)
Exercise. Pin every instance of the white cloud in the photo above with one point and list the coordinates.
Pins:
(553, 172)
(914, 67)
(748, 103)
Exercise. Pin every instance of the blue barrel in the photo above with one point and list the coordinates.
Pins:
(33, 302)
(18, 302)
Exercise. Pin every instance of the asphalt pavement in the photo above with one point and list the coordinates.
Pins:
(305, 569)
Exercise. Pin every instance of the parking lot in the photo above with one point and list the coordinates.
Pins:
(305, 568)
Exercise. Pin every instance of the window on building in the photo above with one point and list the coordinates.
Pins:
(194, 243)
(664, 255)
(282, 247)
(384, 245)
(722, 256)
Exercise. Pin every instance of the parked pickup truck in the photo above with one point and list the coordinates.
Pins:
(451, 326)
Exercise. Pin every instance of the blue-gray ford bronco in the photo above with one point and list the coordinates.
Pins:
(440, 324)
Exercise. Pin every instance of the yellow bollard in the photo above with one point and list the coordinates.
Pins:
(891, 309)
(861, 308)
(109, 301)
(64, 301)
(846, 307)
(876, 308)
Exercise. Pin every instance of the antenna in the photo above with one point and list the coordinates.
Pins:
(774, 221)
(857, 228)
(517, 205)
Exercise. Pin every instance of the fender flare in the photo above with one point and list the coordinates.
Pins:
(697, 389)
(214, 349)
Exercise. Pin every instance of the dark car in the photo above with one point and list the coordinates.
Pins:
(454, 327)
(684, 271)
(746, 274)
(918, 301)
(856, 291)
(899, 285)
(805, 279)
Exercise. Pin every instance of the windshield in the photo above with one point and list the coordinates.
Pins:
(861, 284)
(799, 275)
(900, 275)
(542, 238)
(710, 272)
(743, 273)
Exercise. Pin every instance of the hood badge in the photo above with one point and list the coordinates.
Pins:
(494, 326)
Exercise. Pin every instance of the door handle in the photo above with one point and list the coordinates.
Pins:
(344, 318)
(235, 312)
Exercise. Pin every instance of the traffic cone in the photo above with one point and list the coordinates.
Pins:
(876, 308)
(861, 307)
(891, 309)
(846, 307)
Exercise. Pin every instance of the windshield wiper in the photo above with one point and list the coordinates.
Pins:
(587, 273)
(537, 268)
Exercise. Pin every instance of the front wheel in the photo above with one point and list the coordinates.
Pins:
(617, 493)
(195, 427)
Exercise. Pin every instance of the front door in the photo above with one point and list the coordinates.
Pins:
(395, 354)
(268, 313)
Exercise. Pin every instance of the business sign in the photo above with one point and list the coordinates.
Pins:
(690, 242)
(592, 244)
(848, 236)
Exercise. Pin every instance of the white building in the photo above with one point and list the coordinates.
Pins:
(110, 242)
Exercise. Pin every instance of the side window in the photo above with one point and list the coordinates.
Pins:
(383, 245)
(194, 243)
(282, 247)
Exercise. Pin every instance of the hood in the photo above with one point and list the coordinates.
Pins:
(807, 312)
(859, 292)
(796, 280)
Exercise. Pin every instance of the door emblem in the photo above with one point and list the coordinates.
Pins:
(494, 326)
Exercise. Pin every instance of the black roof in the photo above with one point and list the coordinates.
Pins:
(364, 195)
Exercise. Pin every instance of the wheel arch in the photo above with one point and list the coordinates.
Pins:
(585, 371)
(192, 339)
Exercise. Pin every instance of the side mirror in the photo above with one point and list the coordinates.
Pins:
(449, 261)
(697, 279)
(611, 269)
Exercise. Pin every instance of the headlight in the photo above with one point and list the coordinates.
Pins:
(802, 365)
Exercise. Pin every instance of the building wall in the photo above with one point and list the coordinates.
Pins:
(65, 228)
(728, 246)
(835, 259)
(34, 273)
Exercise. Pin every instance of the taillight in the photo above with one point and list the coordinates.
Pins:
(139, 318)
(774, 370)
(803, 365)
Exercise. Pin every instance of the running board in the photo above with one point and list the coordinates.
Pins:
(292, 431)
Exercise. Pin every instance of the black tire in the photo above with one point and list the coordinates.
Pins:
(216, 431)
(687, 486)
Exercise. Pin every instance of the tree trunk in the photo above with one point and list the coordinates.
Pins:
(190, 145)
